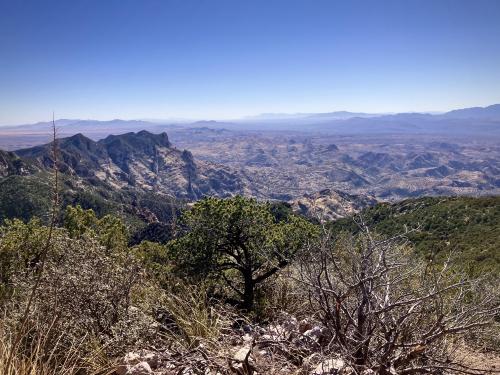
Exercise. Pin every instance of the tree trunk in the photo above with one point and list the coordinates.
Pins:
(248, 295)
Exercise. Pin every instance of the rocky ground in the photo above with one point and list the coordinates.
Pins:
(287, 347)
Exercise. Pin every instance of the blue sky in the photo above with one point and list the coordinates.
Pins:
(105, 59)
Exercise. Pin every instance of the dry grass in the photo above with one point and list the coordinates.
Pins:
(33, 356)
(194, 317)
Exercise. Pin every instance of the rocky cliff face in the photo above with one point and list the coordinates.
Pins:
(331, 204)
(143, 161)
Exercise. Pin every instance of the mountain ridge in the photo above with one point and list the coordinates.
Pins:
(142, 160)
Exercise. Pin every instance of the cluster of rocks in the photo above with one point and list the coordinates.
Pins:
(283, 348)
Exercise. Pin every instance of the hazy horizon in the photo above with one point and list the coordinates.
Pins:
(256, 117)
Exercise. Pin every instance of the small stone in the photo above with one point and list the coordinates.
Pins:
(241, 354)
(348, 371)
(142, 368)
(132, 358)
(314, 333)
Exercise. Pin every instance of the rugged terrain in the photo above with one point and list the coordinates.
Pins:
(120, 169)
(139, 176)
(328, 205)
(145, 161)
(286, 166)
(283, 157)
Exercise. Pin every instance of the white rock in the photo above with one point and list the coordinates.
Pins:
(330, 366)
(348, 371)
(314, 333)
(247, 337)
(142, 368)
(132, 359)
(241, 354)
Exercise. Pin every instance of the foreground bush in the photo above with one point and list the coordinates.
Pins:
(388, 311)
(344, 304)
(76, 304)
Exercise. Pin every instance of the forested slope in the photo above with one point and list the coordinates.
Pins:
(469, 228)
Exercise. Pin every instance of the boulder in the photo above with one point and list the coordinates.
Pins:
(241, 354)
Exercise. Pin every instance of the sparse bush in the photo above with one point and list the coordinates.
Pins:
(388, 311)
(110, 230)
(83, 293)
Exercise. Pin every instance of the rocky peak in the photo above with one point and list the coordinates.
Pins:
(141, 141)
(79, 139)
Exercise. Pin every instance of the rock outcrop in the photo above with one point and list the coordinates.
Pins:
(331, 204)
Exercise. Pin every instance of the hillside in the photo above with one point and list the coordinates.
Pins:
(466, 227)
(138, 176)
(11, 164)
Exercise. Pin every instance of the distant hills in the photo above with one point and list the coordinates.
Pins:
(477, 121)
(491, 112)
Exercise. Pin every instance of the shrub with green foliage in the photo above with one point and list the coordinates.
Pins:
(110, 230)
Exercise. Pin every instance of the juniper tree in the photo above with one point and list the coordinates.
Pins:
(239, 241)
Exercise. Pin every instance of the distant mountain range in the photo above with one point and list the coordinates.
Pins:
(468, 122)
(491, 112)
